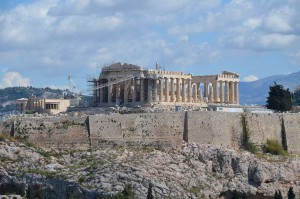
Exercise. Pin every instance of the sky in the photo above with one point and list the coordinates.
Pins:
(43, 42)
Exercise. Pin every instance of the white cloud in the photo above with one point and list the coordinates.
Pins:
(57, 37)
(12, 79)
(250, 78)
(276, 40)
(253, 23)
(279, 20)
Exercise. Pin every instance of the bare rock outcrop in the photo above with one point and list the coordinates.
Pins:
(195, 171)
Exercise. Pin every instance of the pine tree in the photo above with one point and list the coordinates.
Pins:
(149, 195)
(279, 195)
(291, 194)
(128, 193)
(235, 195)
(296, 97)
(279, 99)
(276, 195)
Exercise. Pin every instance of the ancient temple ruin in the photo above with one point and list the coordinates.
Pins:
(131, 85)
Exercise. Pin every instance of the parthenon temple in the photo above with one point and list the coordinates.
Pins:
(131, 85)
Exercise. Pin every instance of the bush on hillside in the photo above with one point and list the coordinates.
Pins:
(274, 147)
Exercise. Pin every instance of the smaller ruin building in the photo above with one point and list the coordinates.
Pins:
(43, 105)
(131, 85)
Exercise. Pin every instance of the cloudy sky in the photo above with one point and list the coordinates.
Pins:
(43, 42)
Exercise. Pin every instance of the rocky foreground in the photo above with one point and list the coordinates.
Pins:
(195, 171)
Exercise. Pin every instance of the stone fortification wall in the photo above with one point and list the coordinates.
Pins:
(262, 127)
(292, 131)
(162, 129)
(56, 133)
(214, 128)
(147, 128)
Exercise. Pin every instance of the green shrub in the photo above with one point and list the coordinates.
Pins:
(2, 137)
(127, 193)
(274, 147)
(81, 179)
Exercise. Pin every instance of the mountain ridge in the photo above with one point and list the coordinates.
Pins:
(256, 92)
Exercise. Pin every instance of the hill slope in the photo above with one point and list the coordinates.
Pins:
(256, 92)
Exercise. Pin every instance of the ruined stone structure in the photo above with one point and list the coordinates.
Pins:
(126, 84)
(43, 105)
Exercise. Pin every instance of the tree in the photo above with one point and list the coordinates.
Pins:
(279, 99)
(279, 195)
(291, 194)
(150, 195)
(128, 192)
(276, 195)
(235, 195)
(296, 97)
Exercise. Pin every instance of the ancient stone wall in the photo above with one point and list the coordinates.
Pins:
(158, 129)
(150, 128)
(214, 128)
(262, 127)
(69, 133)
(292, 131)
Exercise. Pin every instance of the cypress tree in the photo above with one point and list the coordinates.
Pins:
(235, 195)
(276, 195)
(149, 194)
(279, 195)
(291, 194)
(279, 99)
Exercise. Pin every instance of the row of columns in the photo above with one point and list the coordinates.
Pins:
(221, 92)
(180, 90)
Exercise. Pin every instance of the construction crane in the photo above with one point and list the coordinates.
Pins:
(74, 91)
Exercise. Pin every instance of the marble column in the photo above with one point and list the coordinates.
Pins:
(142, 97)
(161, 90)
(231, 92)
(227, 92)
(221, 92)
(236, 92)
(177, 90)
(172, 90)
(200, 97)
(167, 97)
(101, 92)
(125, 91)
(109, 97)
(95, 92)
(155, 90)
(189, 83)
(133, 90)
(183, 91)
(205, 89)
(215, 89)
(211, 95)
(149, 90)
(195, 94)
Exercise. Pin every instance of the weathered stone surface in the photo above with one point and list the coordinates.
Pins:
(195, 171)
(163, 129)
(156, 129)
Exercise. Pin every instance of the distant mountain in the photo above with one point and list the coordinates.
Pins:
(256, 92)
(9, 95)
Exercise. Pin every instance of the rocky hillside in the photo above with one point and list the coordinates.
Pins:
(195, 171)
